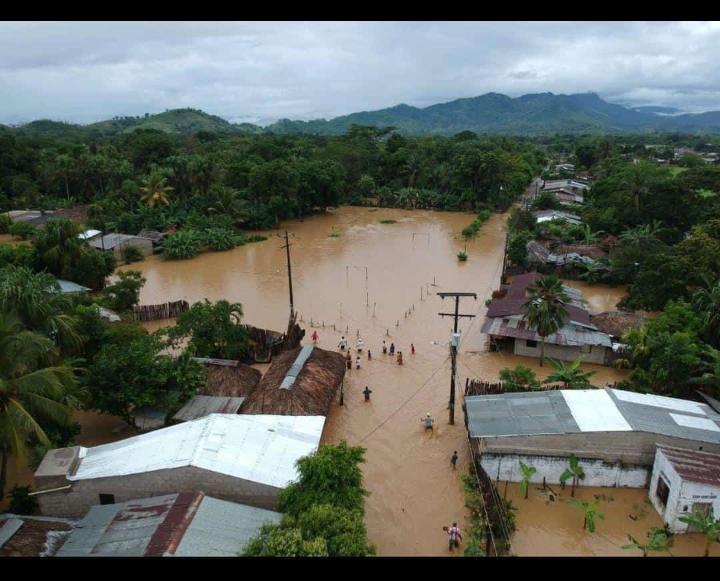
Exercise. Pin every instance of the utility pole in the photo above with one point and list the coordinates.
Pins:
(454, 344)
(289, 267)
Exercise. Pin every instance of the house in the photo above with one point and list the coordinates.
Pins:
(89, 234)
(68, 287)
(542, 216)
(156, 236)
(116, 243)
(684, 481)
(299, 382)
(240, 458)
(32, 536)
(617, 323)
(578, 338)
(37, 218)
(539, 255)
(186, 524)
(614, 433)
(570, 185)
(229, 382)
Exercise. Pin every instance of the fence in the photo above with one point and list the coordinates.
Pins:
(159, 312)
(480, 387)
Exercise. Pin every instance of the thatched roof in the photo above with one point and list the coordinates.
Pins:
(311, 393)
(617, 323)
(228, 378)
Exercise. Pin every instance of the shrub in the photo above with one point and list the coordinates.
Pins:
(5, 223)
(22, 230)
(125, 293)
(520, 378)
(182, 245)
(474, 227)
(462, 256)
(131, 254)
(256, 238)
(21, 502)
(388, 221)
(219, 239)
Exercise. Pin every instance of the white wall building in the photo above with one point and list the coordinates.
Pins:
(684, 481)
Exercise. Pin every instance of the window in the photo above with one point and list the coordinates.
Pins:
(107, 498)
(530, 343)
(663, 491)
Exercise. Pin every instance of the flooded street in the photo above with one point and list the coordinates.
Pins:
(379, 281)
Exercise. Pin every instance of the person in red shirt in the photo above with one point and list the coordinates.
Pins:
(315, 336)
(454, 536)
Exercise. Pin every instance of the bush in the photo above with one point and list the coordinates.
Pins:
(219, 239)
(182, 245)
(131, 254)
(462, 256)
(125, 293)
(474, 227)
(520, 378)
(22, 230)
(5, 223)
(21, 502)
(256, 238)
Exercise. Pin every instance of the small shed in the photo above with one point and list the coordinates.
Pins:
(299, 382)
(155, 235)
(117, 243)
(684, 481)
(204, 405)
(68, 287)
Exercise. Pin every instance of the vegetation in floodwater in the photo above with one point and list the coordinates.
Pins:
(388, 221)
(462, 256)
(334, 233)
(478, 525)
(474, 227)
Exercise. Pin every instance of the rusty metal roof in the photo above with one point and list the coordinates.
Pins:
(692, 465)
(571, 334)
(187, 524)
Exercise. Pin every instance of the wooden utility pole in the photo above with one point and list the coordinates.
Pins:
(286, 237)
(454, 342)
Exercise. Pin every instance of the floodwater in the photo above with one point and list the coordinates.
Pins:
(378, 280)
(598, 297)
(546, 528)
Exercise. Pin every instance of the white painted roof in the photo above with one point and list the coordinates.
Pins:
(259, 448)
(670, 403)
(594, 411)
(694, 422)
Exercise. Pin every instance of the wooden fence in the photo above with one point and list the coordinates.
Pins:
(159, 312)
(480, 387)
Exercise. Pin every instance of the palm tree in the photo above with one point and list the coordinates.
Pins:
(707, 302)
(227, 201)
(545, 308)
(571, 376)
(156, 190)
(574, 471)
(658, 541)
(58, 245)
(707, 523)
(710, 367)
(31, 389)
(528, 472)
(591, 511)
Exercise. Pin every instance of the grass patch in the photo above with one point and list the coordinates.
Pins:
(706, 193)
(388, 221)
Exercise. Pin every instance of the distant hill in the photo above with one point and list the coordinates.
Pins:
(535, 114)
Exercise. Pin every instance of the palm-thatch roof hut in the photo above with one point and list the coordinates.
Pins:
(300, 382)
(617, 323)
(228, 378)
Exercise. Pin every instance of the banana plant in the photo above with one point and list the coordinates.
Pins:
(574, 471)
(528, 472)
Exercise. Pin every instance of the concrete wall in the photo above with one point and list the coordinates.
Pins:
(683, 494)
(76, 501)
(612, 447)
(563, 353)
(597, 472)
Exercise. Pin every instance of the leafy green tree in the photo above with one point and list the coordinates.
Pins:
(574, 471)
(710, 369)
(332, 476)
(591, 511)
(545, 308)
(155, 190)
(571, 376)
(213, 330)
(705, 522)
(527, 474)
(707, 303)
(22, 230)
(275, 541)
(519, 378)
(658, 541)
(124, 294)
(35, 388)
(219, 239)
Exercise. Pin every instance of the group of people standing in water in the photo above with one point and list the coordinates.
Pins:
(360, 347)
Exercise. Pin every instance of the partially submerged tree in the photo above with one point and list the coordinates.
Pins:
(124, 294)
(574, 471)
(527, 474)
(658, 541)
(591, 511)
(546, 308)
(571, 376)
(706, 523)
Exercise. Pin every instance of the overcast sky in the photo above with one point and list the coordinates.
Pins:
(260, 72)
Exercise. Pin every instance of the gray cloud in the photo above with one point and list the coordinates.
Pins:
(262, 71)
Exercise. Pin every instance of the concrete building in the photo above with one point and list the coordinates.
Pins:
(684, 481)
(578, 338)
(556, 215)
(241, 458)
(614, 433)
(188, 524)
(116, 243)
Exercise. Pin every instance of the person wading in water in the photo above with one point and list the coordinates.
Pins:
(315, 336)
(366, 392)
(428, 421)
(454, 536)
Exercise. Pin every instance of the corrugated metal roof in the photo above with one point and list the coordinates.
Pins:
(573, 411)
(87, 234)
(110, 241)
(296, 367)
(185, 524)
(693, 465)
(571, 334)
(69, 287)
(204, 405)
(259, 448)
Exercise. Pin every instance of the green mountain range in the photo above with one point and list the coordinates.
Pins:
(535, 114)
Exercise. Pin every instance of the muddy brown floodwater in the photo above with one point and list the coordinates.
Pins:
(379, 281)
